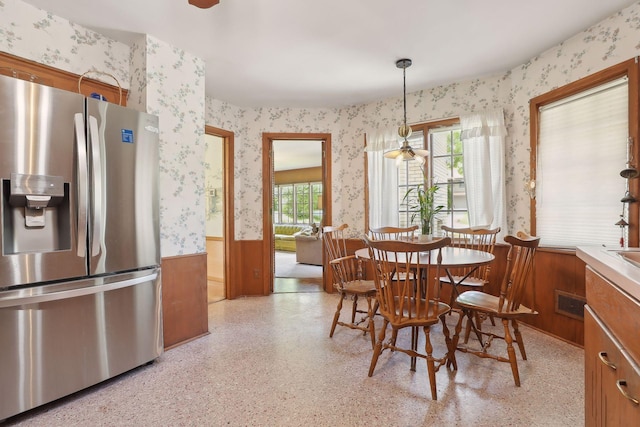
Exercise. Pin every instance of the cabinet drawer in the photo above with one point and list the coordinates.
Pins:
(616, 309)
(612, 378)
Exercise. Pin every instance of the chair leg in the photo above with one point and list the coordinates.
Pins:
(354, 309)
(451, 352)
(414, 346)
(467, 331)
(431, 367)
(336, 316)
(378, 347)
(372, 326)
(455, 340)
(511, 352)
(394, 337)
(518, 336)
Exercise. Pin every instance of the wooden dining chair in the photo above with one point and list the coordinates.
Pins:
(470, 278)
(481, 239)
(507, 307)
(405, 304)
(348, 281)
(393, 233)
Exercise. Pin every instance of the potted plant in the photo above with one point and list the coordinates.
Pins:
(424, 206)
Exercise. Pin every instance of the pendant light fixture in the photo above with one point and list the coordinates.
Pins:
(405, 152)
(204, 4)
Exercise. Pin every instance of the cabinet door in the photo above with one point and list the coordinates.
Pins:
(612, 378)
(592, 372)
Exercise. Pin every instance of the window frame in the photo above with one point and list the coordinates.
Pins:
(627, 68)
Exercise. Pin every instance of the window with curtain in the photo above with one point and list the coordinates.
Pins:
(448, 166)
(581, 148)
(444, 168)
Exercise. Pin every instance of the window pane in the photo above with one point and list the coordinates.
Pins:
(439, 143)
(441, 170)
(287, 196)
(276, 204)
(316, 191)
(448, 174)
(303, 208)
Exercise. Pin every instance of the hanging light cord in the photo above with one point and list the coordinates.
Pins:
(404, 92)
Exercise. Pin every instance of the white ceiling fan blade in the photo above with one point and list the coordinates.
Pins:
(420, 152)
(392, 154)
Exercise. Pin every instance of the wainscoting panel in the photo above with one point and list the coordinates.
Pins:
(184, 298)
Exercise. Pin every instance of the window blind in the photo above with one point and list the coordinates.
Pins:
(582, 147)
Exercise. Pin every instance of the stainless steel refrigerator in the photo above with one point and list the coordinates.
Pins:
(80, 297)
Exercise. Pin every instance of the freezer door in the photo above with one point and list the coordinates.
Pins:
(124, 217)
(41, 162)
(61, 338)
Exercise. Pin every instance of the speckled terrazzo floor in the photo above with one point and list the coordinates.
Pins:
(269, 362)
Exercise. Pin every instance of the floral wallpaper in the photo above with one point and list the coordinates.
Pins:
(37, 35)
(170, 83)
(174, 87)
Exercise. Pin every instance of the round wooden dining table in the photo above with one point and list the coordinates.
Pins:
(452, 257)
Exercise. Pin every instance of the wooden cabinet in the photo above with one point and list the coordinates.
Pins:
(612, 351)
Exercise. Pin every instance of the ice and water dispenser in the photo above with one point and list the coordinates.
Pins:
(35, 214)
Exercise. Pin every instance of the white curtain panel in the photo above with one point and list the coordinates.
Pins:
(483, 143)
(383, 178)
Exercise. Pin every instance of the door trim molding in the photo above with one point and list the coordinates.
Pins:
(267, 193)
(231, 291)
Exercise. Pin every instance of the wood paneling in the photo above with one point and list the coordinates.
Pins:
(184, 298)
(250, 275)
(563, 271)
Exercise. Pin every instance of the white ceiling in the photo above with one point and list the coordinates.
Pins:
(296, 154)
(332, 53)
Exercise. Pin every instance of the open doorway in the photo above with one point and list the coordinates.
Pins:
(218, 188)
(297, 194)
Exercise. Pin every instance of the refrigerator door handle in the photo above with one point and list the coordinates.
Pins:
(96, 234)
(71, 293)
(81, 144)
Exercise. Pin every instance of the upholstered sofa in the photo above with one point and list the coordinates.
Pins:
(309, 249)
(284, 239)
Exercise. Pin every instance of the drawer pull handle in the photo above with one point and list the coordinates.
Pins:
(604, 359)
(622, 384)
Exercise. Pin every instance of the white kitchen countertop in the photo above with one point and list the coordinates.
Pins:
(609, 264)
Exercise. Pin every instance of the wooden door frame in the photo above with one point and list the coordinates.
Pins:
(231, 291)
(267, 194)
